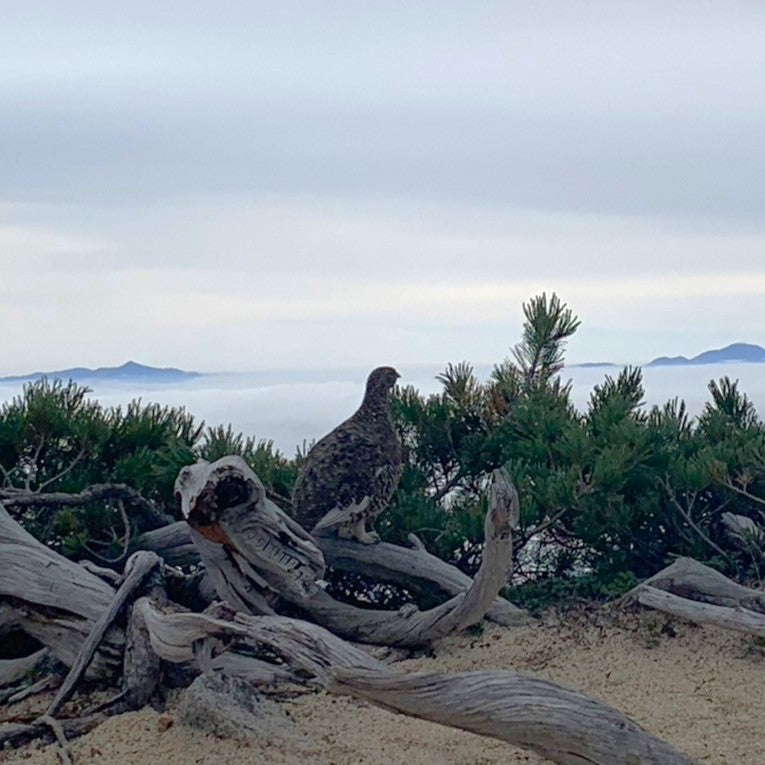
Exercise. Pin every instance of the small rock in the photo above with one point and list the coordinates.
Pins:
(231, 708)
(164, 722)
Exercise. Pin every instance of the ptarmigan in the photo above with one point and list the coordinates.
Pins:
(349, 477)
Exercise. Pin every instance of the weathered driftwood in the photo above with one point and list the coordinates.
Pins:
(565, 726)
(739, 618)
(173, 543)
(260, 560)
(690, 579)
(415, 569)
(13, 670)
(745, 533)
(54, 600)
(226, 503)
(412, 627)
(695, 592)
(142, 669)
(140, 565)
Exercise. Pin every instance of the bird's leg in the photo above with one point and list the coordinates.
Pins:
(357, 532)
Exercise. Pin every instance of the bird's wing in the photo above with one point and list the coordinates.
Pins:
(384, 483)
(370, 505)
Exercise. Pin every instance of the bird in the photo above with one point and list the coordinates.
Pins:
(348, 478)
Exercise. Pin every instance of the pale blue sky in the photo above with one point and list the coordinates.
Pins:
(239, 185)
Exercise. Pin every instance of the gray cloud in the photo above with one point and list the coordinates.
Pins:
(296, 178)
(641, 109)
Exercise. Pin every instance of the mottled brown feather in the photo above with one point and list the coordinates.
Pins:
(360, 457)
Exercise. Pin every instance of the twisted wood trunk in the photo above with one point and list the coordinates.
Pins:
(54, 600)
(260, 562)
(61, 602)
(415, 569)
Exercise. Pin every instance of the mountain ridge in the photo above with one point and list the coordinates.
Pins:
(735, 352)
(130, 370)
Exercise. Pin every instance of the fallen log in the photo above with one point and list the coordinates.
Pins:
(137, 568)
(690, 579)
(567, 727)
(416, 569)
(172, 543)
(409, 627)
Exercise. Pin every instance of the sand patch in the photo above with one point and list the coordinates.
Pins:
(701, 689)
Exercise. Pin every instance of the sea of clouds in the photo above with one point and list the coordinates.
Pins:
(293, 407)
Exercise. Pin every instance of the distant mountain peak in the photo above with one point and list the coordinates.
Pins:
(735, 352)
(130, 370)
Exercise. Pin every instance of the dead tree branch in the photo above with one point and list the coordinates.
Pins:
(260, 560)
(138, 567)
(695, 592)
(13, 498)
(565, 726)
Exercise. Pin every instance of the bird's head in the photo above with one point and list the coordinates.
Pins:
(381, 381)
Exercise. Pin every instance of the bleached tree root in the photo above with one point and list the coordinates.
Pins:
(138, 567)
(263, 563)
(414, 628)
(54, 600)
(386, 563)
(415, 569)
(565, 726)
(697, 593)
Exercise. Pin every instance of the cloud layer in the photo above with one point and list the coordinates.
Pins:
(339, 182)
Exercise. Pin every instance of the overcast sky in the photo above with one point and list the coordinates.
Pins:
(242, 185)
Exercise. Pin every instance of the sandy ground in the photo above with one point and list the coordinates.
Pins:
(702, 689)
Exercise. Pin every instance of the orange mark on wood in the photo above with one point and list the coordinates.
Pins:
(214, 533)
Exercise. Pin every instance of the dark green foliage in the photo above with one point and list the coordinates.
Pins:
(54, 438)
(619, 489)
